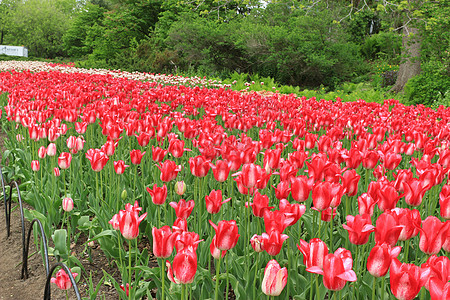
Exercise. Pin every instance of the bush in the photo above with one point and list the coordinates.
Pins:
(429, 86)
(384, 45)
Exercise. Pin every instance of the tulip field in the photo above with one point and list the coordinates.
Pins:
(239, 195)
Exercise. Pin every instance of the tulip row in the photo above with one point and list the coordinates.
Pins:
(301, 178)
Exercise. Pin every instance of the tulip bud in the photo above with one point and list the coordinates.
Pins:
(42, 152)
(275, 279)
(67, 204)
(35, 165)
(56, 172)
(180, 187)
(124, 195)
(51, 149)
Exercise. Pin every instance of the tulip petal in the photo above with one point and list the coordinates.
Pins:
(349, 275)
(315, 270)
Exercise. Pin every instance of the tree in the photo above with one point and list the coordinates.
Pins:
(39, 25)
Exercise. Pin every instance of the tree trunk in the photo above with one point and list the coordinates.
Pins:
(410, 65)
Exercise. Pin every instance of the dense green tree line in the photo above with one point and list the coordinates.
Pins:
(296, 42)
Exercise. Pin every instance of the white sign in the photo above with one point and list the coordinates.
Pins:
(14, 50)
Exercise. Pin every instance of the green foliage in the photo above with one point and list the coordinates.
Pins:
(363, 24)
(383, 45)
(302, 52)
(39, 26)
(430, 86)
(77, 40)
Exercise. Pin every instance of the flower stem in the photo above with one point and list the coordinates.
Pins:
(373, 287)
(216, 295)
(129, 266)
(228, 279)
(163, 277)
(317, 286)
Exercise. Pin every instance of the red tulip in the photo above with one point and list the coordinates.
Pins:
(380, 258)
(391, 160)
(159, 194)
(439, 290)
(199, 166)
(176, 147)
(354, 158)
(163, 241)
(313, 252)
(387, 197)
(183, 209)
(272, 158)
(179, 225)
(406, 279)
(129, 223)
(317, 167)
(109, 147)
(214, 201)
(215, 252)
(127, 290)
(401, 177)
(56, 172)
(327, 214)
(292, 211)
(136, 156)
(387, 230)
(260, 204)
(410, 219)
(322, 195)
(64, 160)
(276, 220)
(310, 140)
(169, 170)
(282, 190)
(297, 158)
(359, 228)
(350, 181)
(249, 175)
(62, 280)
(221, 170)
(158, 154)
(337, 269)
(120, 166)
(444, 202)
(433, 234)
(143, 139)
(439, 268)
(275, 279)
(370, 159)
(187, 241)
(80, 127)
(366, 204)
(414, 192)
(97, 158)
(272, 242)
(301, 187)
(184, 267)
(226, 234)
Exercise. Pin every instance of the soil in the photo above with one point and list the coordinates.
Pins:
(11, 284)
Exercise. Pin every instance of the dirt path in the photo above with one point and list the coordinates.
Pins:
(11, 286)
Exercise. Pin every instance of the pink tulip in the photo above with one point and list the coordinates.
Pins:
(62, 280)
(275, 279)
